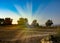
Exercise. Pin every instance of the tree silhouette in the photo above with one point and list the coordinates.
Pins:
(49, 22)
(8, 21)
(1, 21)
(34, 23)
(23, 22)
(26, 20)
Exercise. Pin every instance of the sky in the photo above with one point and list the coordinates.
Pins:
(41, 10)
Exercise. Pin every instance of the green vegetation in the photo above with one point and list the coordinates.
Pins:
(49, 23)
(23, 22)
(34, 24)
(23, 29)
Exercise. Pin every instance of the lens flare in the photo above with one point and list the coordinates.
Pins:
(27, 13)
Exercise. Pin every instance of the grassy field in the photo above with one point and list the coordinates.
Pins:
(16, 32)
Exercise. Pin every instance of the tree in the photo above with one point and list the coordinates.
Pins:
(8, 21)
(34, 23)
(49, 22)
(26, 20)
(1, 21)
(23, 22)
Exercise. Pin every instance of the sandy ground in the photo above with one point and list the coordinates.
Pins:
(13, 33)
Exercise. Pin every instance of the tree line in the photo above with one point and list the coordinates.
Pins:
(24, 21)
(6, 21)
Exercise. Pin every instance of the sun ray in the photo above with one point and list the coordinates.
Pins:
(20, 10)
(27, 13)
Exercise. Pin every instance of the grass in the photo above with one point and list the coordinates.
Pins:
(10, 32)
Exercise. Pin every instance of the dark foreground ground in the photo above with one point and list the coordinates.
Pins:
(15, 34)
